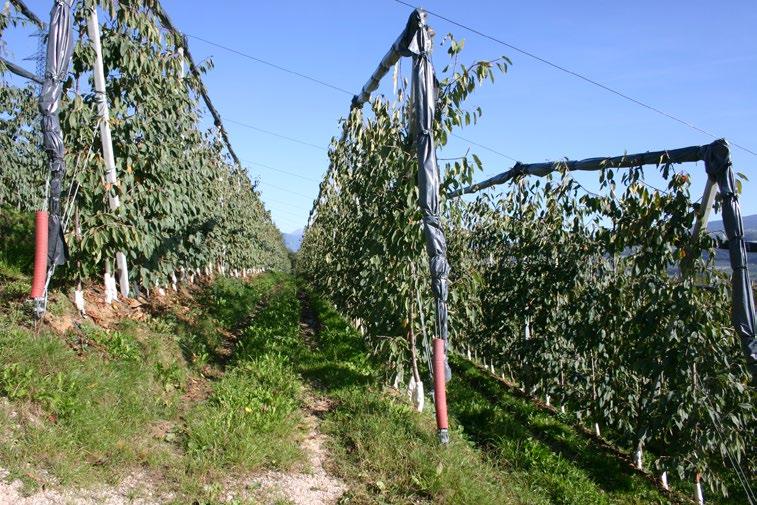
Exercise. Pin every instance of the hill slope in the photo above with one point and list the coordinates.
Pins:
(722, 260)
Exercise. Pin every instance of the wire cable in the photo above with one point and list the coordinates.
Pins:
(482, 146)
(312, 79)
(264, 183)
(257, 163)
(279, 135)
(270, 64)
(577, 75)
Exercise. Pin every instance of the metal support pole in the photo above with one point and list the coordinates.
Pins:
(416, 41)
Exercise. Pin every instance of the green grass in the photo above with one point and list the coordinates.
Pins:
(384, 450)
(558, 461)
(80, 417)
(504, 448)
(95, 405)
(252, 416)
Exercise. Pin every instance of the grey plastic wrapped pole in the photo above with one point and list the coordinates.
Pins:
(424, 88)
(416, 41)
(717, 159)
(717, 162)
(59, 51)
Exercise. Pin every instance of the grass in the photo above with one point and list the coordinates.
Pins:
(251, 418)
(384, 450)
(213, 386)
(81, 418)
(505, 449)
(95, 405)
(555, 459)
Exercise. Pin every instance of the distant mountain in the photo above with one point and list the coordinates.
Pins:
(293, 240)
(722, 259)
(750, 226)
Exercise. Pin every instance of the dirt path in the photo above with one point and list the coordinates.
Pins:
(131, 491)
(315, 486)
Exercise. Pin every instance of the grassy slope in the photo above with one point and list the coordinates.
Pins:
(121, 402)
(562, 463)
(386, 452)
(179, 399)
(212, 386)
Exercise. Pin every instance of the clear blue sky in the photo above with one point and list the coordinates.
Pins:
(694, 59)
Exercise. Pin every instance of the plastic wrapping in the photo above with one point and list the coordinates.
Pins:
(717, 161)
(416, 41)
(59, 51)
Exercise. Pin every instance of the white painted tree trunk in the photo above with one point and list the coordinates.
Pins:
(527, 329)
(399, 379)
(416, 394)
(79, 300)
(93, 30)
(110, 284)
(698, 492)
(664, 479)
(596, 429)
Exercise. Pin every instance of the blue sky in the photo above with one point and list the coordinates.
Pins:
(694, 59)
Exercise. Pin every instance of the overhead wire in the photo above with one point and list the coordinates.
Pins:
(274, 134)
(577, 75)
(264, 183)
(269, 167)
(464, 139)
(311, 79)
(271, 64)
(482, 146)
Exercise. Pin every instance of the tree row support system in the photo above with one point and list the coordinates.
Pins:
(58, 60)
(720, 175)
(59, 51)
(416, 41)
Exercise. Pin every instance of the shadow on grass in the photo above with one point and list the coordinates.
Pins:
(387, 452)
(521, 435)
(338, 358)
(209, 331)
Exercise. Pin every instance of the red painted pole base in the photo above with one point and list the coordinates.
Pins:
(440, 391)
(40, 254)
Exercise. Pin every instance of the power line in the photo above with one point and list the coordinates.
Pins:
(483, 147)
(287, 204)
(279, 135)
(257, 163)
(274, 65)
(287, 208)
(312, 79)
(264, 183)
(578, 75)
